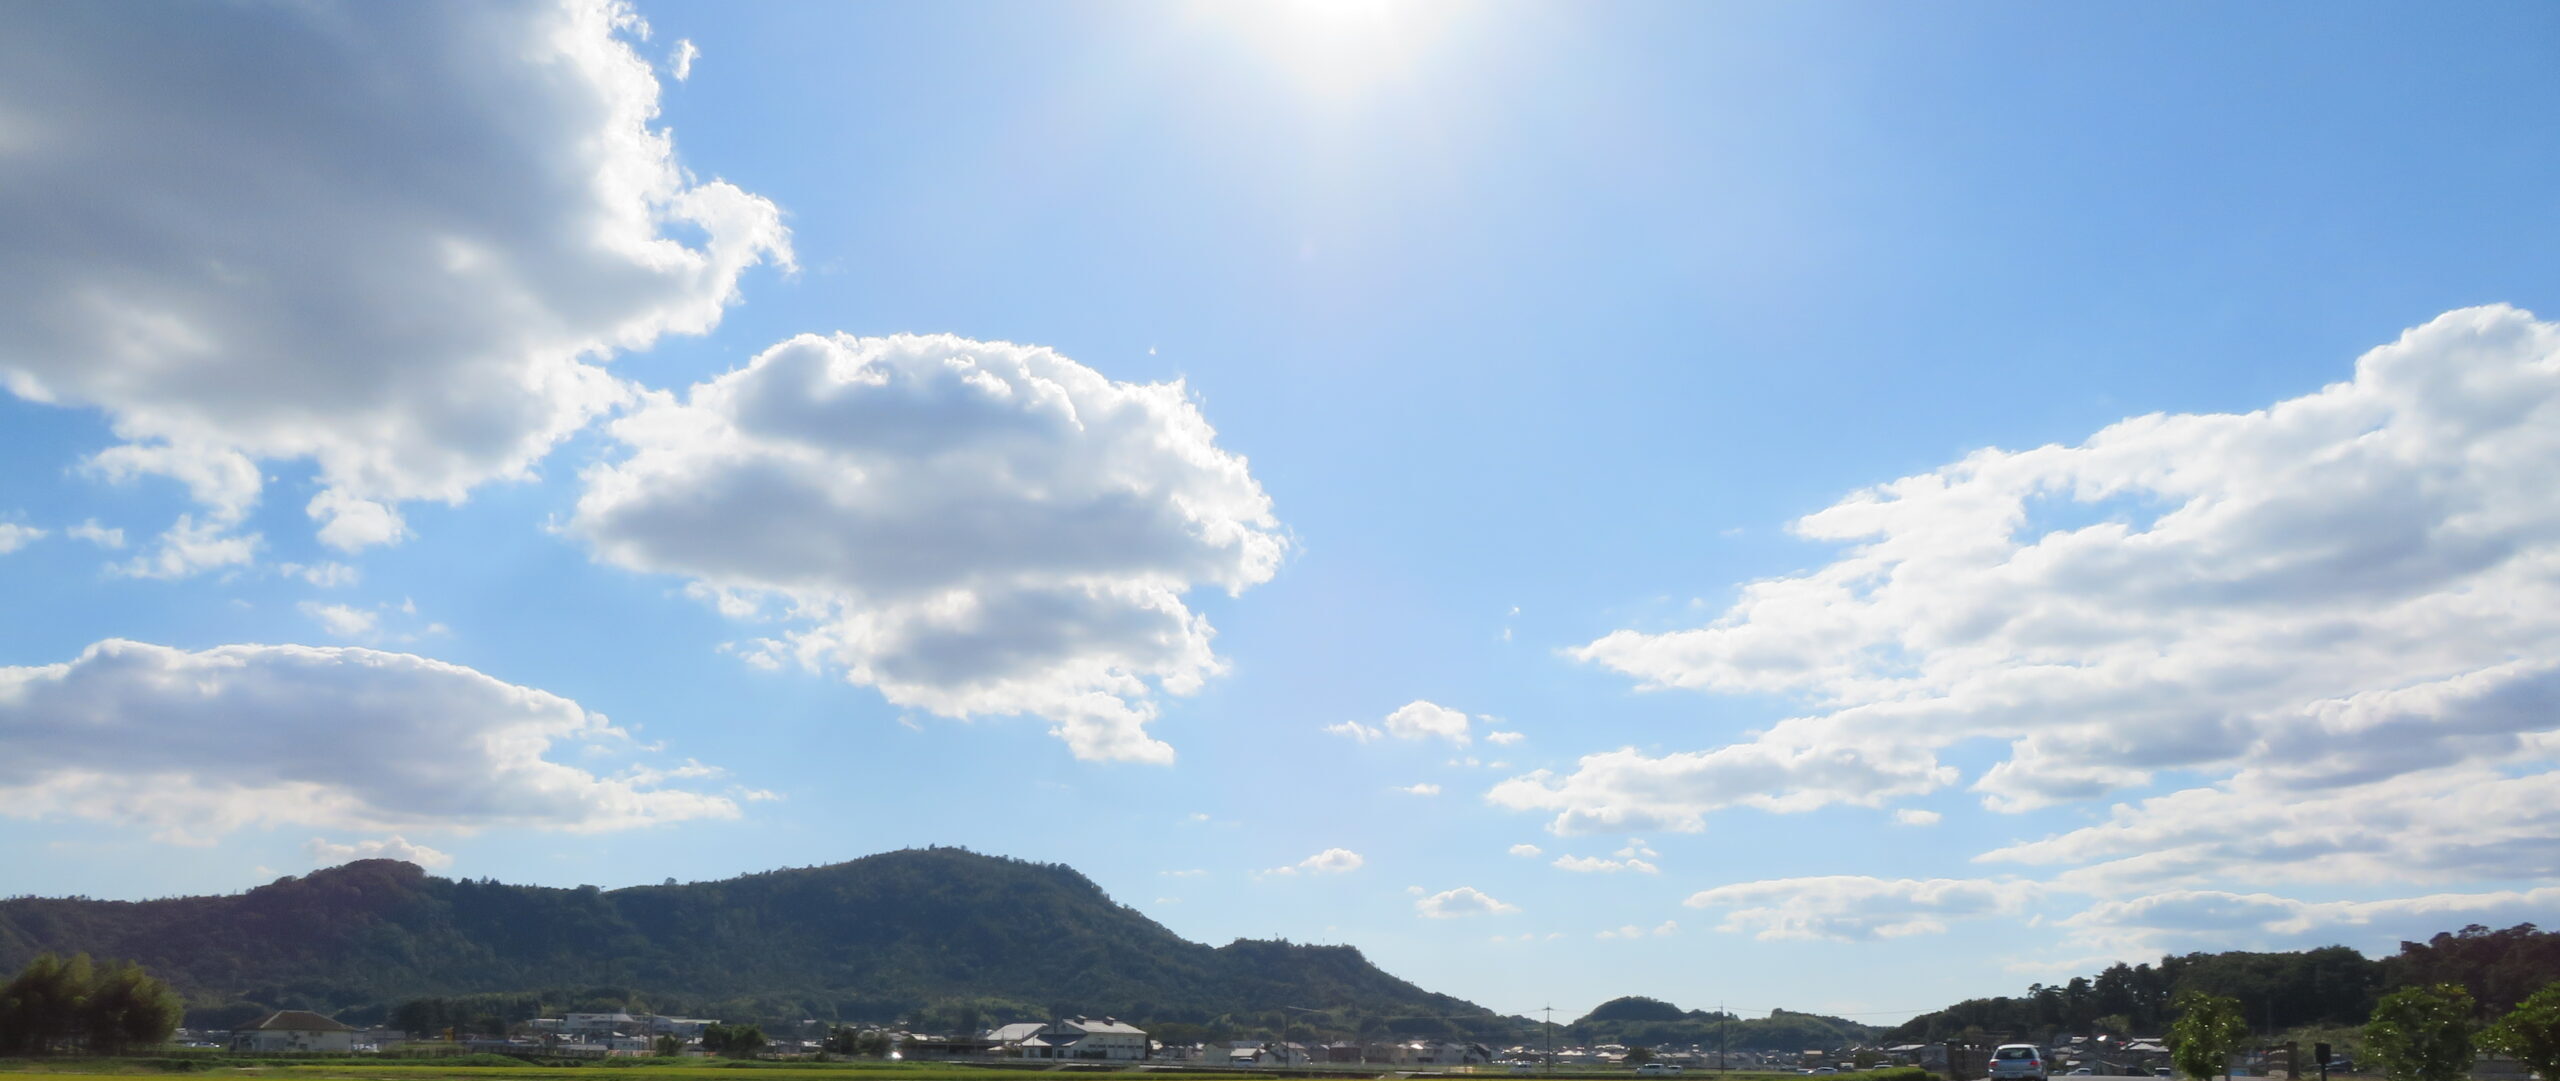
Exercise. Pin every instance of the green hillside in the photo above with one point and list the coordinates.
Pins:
(940, 934)
(1638, 1021)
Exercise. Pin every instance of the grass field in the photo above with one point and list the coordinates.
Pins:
(646, 1070)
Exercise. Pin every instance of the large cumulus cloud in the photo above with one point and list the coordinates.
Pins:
(2344, 588)
(393, 240)
(198, 744)
(970, 527)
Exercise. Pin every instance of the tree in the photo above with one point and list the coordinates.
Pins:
(2209, 1028)
(2530, 1033)
(42, 1010)
(2422, 1033)
(735, 1041)
(126, 1008)
(669, 1044)
(1638, 1056)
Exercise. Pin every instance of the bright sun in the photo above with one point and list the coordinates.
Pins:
(1338, 46)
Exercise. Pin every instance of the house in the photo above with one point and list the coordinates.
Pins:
(294, 1030)
(1446, 1053)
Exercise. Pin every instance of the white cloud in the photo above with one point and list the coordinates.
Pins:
(341, 620)
(1463, 901)
(2179, 921)
(230, 268)
(1331, 861)
(197, 745)
(972, 528)
(2439, 826)
(1419, 719)
(189, 547)
(1856, 907)
(102, 536)
(1913, 816)
(395, 847)
(1598, 865)
(1666, 927)
(14, 537)
(1192, 873)
(1424, 788)
(680, 60)
(1504, 739)
(1628, 789)
(2324, 593)
(1527, 850)
(1357, 731)
(324, 575)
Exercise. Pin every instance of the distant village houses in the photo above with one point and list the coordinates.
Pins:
(294, 1030)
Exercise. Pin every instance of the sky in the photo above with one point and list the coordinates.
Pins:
(1829, 506)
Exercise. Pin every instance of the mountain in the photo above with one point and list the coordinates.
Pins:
(939, 933)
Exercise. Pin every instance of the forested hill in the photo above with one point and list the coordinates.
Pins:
(941, 931)
(2330, 986)
(1638, 1021)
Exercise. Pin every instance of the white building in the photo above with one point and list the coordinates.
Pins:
(599, 1024)
(294, 1030)
(1105, 1038)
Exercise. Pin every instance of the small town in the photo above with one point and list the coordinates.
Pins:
(1087, 1041)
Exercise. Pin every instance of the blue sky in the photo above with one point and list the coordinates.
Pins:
(1616, 378)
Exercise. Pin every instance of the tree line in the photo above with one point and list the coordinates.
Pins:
(2331, 986)
(56, 1005)
(2424, 1033)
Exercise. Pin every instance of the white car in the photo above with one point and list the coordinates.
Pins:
(2019, 1062)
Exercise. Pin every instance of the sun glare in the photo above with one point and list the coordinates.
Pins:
(1338, 47)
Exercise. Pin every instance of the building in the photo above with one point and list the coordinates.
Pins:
(294, 1030)
(599, 1024)
(1108, 1039)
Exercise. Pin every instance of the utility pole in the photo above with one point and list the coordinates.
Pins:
(1723, 1020)
(1548, 1061)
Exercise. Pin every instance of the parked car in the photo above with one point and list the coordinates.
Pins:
(2084, 1072)
(2018, 1062)
(2163, 1071)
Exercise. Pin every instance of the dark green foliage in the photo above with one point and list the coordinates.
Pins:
(1636, 1020)
(126, 1008)
(57, 1005)
(888, 937)
(858, 1042)
(2421, 1034)
(2208, 1029)
(1638, 1056)
(733, 1041)
(1636, 1008)
(2498, 968)
(2530, 1033)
